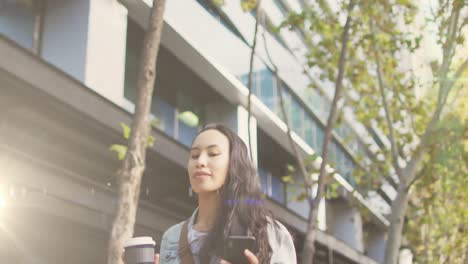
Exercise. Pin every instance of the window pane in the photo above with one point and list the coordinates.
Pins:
(188, 127)
(165, 114)
(266, 91)
(297, 117)
(188, 117)
(300, 207)
(17, 21)
(319, 138)
(310, 132)
(263, 173)
(277, 191)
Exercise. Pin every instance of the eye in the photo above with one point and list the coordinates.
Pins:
(195, 156)
(213, 154)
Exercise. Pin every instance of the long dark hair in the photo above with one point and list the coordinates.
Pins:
(242, 201)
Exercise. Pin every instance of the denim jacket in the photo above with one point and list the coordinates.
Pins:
(281, 243)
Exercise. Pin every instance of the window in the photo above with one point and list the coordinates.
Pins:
(267, 94)
(188, 118)
(17, 19)
(277, 189)
(297, 119)
(301, 207)
(264, 180)
(165, 113)
(319, 139)
(179, 114)
(272, 185)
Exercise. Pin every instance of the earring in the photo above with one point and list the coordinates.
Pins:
(190, 191)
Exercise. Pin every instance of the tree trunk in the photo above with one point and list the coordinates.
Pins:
(308, 249)
(396, 225)
(129, 177)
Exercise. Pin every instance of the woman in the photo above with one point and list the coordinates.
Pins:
(229, 203)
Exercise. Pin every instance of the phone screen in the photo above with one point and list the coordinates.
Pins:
(235, 246)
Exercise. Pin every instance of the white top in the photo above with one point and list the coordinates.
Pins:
(195, 240)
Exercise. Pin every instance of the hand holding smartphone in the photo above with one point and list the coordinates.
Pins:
(235, 246)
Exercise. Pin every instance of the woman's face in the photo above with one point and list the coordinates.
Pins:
(209, 161)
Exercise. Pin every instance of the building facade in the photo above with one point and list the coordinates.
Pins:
(67, 82)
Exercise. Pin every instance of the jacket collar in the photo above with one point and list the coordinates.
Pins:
(192, 219)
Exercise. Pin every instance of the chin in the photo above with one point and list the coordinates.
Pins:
(205, 191)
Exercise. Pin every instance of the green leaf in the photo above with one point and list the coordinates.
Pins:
(248, 5)
(288, 179)
(218, 3)
(155, 122)
(121, 150)
(150, 141)
(189, 118)
(301, 197)
(125, 130)
(290, 168)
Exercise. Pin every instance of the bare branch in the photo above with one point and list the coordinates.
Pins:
(388, 116)
(445, 87)
(333, 111)
(250, 81)
(308, 182)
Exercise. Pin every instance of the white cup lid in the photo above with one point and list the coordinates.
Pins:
(136, 241)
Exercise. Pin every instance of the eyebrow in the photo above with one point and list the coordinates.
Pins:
(210, 146)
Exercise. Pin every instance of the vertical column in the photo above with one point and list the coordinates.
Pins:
(345, 223)
(236, 118)
(87, 40)
(406, 256)
(106, 47)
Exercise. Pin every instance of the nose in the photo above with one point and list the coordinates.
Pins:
(201, 161)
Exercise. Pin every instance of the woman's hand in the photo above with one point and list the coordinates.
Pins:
(249, 255)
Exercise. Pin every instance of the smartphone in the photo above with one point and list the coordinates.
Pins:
(235, 246)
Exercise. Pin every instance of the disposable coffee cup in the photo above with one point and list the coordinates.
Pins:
(139, 250)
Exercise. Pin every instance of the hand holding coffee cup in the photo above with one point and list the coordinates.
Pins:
(140, 250)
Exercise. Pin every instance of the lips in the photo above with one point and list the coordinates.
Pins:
(201, 174)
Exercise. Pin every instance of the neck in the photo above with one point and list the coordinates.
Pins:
(208, 205)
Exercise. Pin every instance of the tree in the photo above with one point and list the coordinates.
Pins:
(129, 176)
(436, 222)
(409, 124)
(381, 90)
(322, 54)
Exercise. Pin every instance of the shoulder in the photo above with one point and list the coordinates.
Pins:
(173, 233)
(277, 231)
(281, 243)
(170, 245)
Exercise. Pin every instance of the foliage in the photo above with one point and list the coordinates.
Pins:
(121, 150)
(380, 82)
(436, 226)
